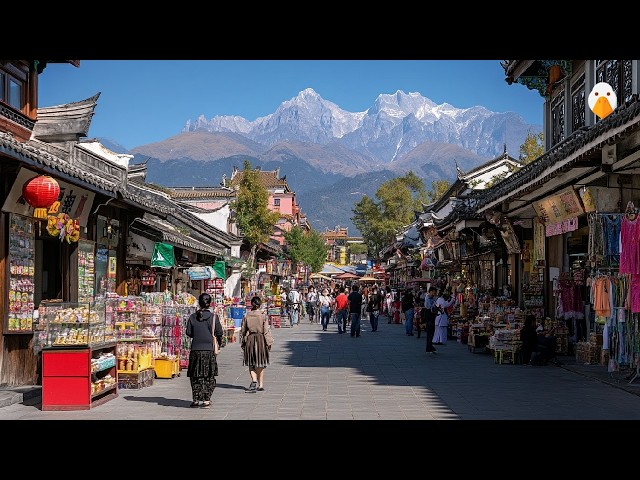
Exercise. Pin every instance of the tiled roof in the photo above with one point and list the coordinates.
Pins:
(268, 179)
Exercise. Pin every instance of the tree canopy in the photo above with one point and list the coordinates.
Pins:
(397, 201)
(306, 247)
(532, 148)
(251, 206)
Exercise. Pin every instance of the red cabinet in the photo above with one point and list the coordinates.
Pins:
(78, 378)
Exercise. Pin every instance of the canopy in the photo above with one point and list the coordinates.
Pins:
(319, 276)
(369, 279)
(346, 276)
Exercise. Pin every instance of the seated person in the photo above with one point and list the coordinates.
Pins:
(529, 338)
(546, 351)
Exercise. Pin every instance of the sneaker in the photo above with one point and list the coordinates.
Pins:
(253, 387)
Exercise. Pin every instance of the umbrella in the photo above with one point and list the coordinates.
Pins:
(317, 276)
(346, 276)
(369, 279)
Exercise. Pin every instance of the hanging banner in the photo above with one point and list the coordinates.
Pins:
(74, 201)
(220, 269)
(163, 255)
(559, 207)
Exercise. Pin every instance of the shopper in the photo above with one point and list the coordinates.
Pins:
(294, 300)
(312, 304)
(374, 305)
(444, 301)
(342, 310)
(355, 310)
(407, 304)
(429, 309)
(203, 366)
(256, 341)
(326, 304)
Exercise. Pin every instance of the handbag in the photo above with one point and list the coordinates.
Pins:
(216, 346)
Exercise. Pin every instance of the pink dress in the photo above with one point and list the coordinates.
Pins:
(630, 245)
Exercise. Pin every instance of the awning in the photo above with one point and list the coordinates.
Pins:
(171, 235)
(163, 256)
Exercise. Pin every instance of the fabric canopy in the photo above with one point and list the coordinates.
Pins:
(163, 255)
(220, 269)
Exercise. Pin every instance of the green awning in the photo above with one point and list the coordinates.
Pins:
(163, 256)
(220, 268)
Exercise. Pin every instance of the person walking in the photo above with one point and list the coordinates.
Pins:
(256, 344)
(429, 309)
(293, 304)
(326, 304)
(201, 327)
(388, 303)
(374, 305)
(407, 304)
(342, 310)
(355, 310)
(444, 301)
(312, 304)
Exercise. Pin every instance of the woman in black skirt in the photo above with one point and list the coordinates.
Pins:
(203, 366)
(256, 344)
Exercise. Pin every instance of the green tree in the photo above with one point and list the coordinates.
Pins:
(532, 148)
(438, 189)
(358, 248)
(308, 248)
(397, 201)
(251, 206)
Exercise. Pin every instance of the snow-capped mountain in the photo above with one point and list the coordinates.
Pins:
(393, 126)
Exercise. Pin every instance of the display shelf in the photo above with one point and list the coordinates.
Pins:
(78, 377)
(21, 275)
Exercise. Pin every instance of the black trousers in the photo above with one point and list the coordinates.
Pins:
(430, 331)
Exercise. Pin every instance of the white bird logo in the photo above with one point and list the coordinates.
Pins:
(602, 99)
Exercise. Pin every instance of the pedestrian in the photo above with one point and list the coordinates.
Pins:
(355, 310)
(256, 341)
(374, 305)
(294, 300)
(388, 303)
(326, 304)
(443, 303)
(201, 327)
(429, 309)
(312, 304)
(420, 313)
(407, 304)
(342, 310)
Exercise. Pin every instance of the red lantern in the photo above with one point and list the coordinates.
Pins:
(40, 192)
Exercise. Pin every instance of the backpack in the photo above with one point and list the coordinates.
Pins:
(291, 298)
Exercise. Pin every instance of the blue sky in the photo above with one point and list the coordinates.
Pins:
(147, 101)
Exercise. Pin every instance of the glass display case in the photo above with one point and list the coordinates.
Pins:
(21, 274)
(65, 324)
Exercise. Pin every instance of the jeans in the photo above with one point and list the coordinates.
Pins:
(373, 320)
(295, 315)
(355, 323)
(408, 321)
(341, 318)
(325, 315)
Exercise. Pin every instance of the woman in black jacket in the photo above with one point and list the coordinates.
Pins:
(203, 366)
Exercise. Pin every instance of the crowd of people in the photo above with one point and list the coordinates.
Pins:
(346, 306)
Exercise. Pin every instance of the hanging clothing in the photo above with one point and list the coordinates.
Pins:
(630, 241)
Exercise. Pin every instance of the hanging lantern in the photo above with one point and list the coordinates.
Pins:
(40, 192)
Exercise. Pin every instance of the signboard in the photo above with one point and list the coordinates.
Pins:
(163, 255)
(559, 207)
(199, 273)
(74, 201)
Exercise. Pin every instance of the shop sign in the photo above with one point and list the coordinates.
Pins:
(560, 207)
(199, 273)
(72, 200)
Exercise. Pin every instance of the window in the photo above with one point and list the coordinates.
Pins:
(578, 104)
(276, 202)
(557, 119)
(12, 90)
(618, 74)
